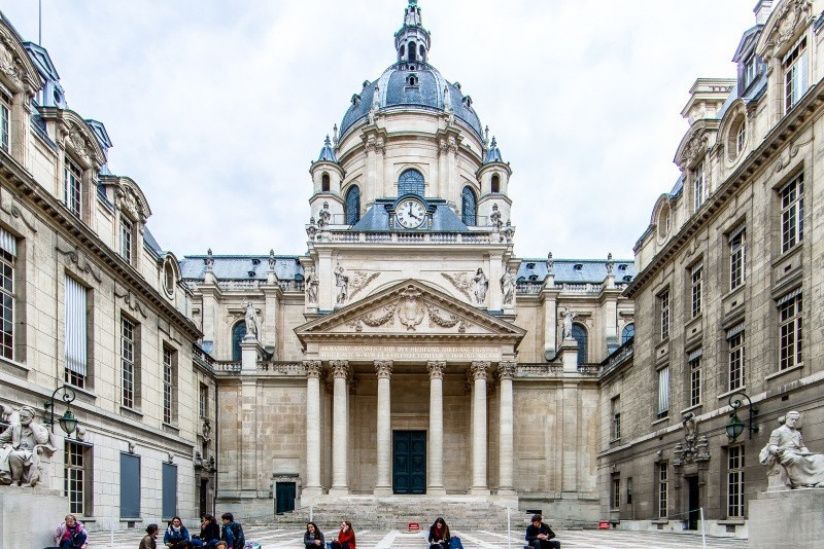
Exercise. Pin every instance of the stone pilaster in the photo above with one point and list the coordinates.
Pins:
(340, 436)
(313, 372)
(506, 370)
(479, 457)
(435, 466)
(383, 369)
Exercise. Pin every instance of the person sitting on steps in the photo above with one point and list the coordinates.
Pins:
(439, 536)
(539, 535)
(346, 537)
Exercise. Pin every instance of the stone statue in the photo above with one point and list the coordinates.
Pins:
(413, 17)
(324, 216)
(312, 229)
(508, 287)
(569, 316)
(311, 284)
(251, 321)
(790, 463)
(481, 285)
(342, 282)
(20, 456)
(272, 260)
(495, 218)
(447, 99)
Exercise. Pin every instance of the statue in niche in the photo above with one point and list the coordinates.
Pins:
(20, 454)
(790, 464)
(481, 286)
(342, 282)
(311, 284)
(569, 316)
(508, 287)
(251, 321)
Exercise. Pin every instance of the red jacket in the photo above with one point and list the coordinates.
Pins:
(347, 537)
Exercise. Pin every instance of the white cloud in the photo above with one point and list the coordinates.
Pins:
(216, 107)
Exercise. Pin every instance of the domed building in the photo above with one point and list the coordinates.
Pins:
(409, 354)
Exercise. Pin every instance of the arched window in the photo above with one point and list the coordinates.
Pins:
(353, 205)
(496, 184)
(469, 207)
(579, 333)
(627, 333)
(410, 182)
(238, 333)
(324, 183)
(412, 52)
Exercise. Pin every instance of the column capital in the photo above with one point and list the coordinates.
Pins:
(507, 369)
(479, 369)
(383, 368)
(313, 368)
(340, 368)
(436, 368)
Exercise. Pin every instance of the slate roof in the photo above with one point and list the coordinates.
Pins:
(575, 270)
(241, 267)
(444, 219)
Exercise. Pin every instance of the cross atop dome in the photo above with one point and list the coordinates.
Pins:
(413, 41)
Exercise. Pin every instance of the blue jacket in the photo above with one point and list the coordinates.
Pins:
(172, 536)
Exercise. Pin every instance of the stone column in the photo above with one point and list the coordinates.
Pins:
(505, 449)
(383, 487)
(435, 454)
(313, 371)
(479, 457)
(340, 443)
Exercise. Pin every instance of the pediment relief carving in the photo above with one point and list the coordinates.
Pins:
(694, 150)
(791, 18)
(16, 65)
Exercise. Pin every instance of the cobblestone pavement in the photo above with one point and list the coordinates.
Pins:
(270, 538)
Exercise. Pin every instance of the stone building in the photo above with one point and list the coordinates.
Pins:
(728, 292)
(409, 354)
(90, 301)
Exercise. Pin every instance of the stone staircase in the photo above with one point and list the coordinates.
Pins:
(397, 514)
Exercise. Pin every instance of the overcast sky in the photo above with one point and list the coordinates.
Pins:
(216, 107)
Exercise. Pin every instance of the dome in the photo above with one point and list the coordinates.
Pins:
(402, 87)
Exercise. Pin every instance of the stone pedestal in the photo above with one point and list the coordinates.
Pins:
(250, 349)
(787, 518)
(569, 355)
(29, 517)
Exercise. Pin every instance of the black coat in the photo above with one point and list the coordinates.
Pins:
(532, 532)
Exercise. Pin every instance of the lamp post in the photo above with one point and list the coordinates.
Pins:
(735, 426)
(67, 421)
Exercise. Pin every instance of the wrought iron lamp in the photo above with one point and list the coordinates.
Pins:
(735, 427)
(67, 421)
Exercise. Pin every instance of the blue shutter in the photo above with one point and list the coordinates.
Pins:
(129, 486)
(411, 182)
(468, 207)
(169, 491)
(353, 205)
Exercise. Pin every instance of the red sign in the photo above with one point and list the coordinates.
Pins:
(603, 525)
(414, 526)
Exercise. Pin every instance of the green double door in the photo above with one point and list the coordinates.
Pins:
(409, 462)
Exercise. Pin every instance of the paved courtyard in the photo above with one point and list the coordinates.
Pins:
(270, 538)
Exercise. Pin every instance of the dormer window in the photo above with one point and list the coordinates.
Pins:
(796, 79)
(126, 238)
(5, 120)
(72, 177)
(412, 80)
(751, 71)
(698, 186)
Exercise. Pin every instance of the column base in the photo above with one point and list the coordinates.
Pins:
(435, 491)
(382, 491)
(505, 492)
(311, 491)
(479, 491)
(339, 491)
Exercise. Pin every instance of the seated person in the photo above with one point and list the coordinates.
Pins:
(232, 532)
(313, 537)
(177, 536)
(209, 532)
(70, 534)
(539, 535)
(346, 537)
(439, 535)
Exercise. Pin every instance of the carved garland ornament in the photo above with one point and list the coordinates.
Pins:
(360, 280)
(461, 281)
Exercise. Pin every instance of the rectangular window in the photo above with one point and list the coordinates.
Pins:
(5, 120)
(615, 494)
(129, 360)
(126, 238)
(696, 281)
(695, 379)
(698, 187)
(76, 481)
(795, 74)
(8, 250)
(664, 312)
(663, 392)
(735, 481)
(751, 71)
(663, 490)
(204, 400)
(169, 385)
(789, 311)
(72, 178)
(616, 418)
(76, 322)
(629, 491)
(738, 258)
(792, 213)
(735, 347)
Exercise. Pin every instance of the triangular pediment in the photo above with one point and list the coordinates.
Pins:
(410, 309)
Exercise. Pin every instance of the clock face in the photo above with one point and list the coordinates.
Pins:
(410, 213)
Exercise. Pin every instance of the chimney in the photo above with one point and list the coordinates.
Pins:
(762, 11)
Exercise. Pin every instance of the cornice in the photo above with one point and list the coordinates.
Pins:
(38, 199)
(770, 149)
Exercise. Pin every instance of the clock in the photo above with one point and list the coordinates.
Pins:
(410, 213)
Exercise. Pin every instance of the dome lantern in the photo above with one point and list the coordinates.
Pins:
(413, 41)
